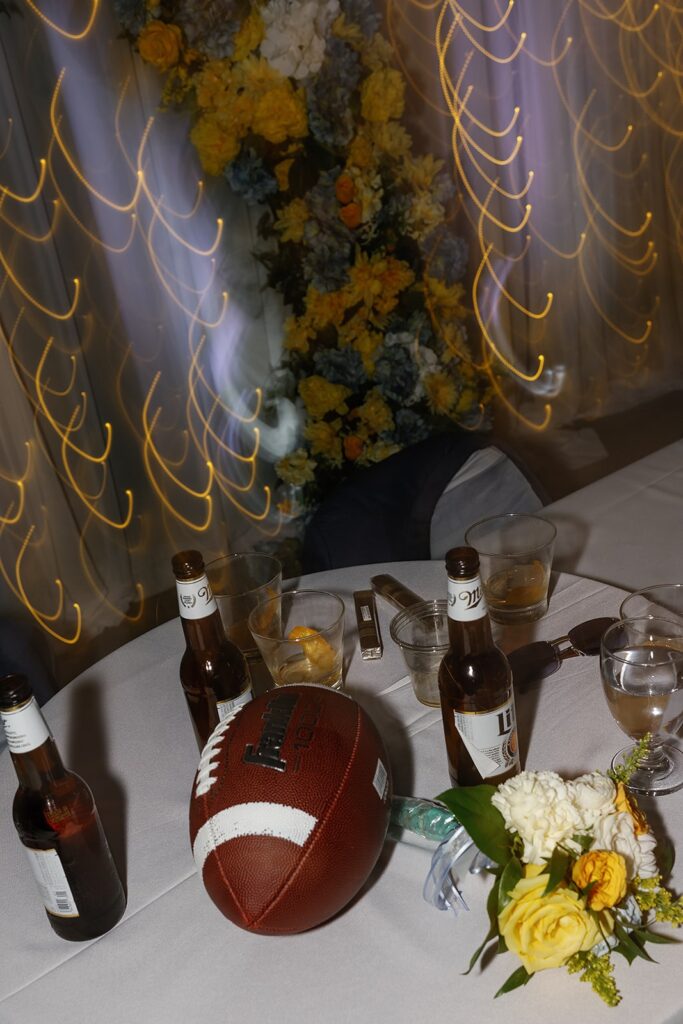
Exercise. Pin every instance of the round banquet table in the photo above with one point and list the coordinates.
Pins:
(389, 956)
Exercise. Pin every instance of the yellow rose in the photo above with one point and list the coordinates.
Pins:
(381, 96)
(280, 114)
(605, 872)
(216, 147)
(160, 44)
(546, 930)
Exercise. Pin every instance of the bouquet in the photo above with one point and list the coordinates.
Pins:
(576, 873)
(299, 106)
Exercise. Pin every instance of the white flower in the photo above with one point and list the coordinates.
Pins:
(538, 806)
(593, 795)
(615, 832)
(295, 34)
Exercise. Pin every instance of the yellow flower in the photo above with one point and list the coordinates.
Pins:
(365, 341)
(361, 154)
(424, 214)
(377, 452)
(249, 36)
(348, 31)
(626, 802)
(280, 114)
(382, 95)
(376, 280)
(212, 84)
(257, 76)
(321, 396)
(468, 401)
(324, 308)
(440, 391)
(391, 139)
(298, 333)
(443, 299)
(378, 53)
(605, 872)
(420, 171)
(296, 468)
(160, 44)
(282, 173)
(375, 414)
(546, 930)
(291, 220)
(325, 440)
(216, 147)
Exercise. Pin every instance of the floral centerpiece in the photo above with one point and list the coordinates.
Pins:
(299, 106)
(576, 878)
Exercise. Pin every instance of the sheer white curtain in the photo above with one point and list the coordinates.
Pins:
(564, 123)
(134, 341)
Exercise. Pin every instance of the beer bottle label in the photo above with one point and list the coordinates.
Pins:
(25, 727)
(466, 600)
(195, 598)
(490, 738)
(53, 885)
(227, 708)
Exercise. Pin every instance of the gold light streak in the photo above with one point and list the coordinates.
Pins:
(614, 326)
(33, 300)
(42, 619)
(74, 36)
(85, 565)
(85, 498)
(466, 16)
(6, 191)
(26, 235)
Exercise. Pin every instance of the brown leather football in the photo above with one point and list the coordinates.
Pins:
(290, 808)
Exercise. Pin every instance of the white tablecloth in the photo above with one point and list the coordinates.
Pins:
(627, 528)
(389, 957)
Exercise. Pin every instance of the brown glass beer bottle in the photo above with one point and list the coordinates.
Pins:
(58, 824)
(213, 671)
(475, 683)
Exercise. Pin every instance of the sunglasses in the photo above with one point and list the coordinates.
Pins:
(536, 661)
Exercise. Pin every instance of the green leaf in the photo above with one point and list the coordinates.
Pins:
(557, 869)
(648, 936)
(511, 874)
(519, 977)
(473, 809)
(583, 841)
(666, 855)
(629, 945)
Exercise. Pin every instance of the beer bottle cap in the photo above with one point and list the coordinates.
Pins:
(188, 565)
(462, 563)
(15, 689)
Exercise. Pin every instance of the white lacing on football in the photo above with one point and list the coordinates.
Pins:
(258, 818)
(205, 778)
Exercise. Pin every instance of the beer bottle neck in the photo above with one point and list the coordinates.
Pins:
(33, 751)
(205, 634)
(469, 626)
(40, 768)
(470, 637)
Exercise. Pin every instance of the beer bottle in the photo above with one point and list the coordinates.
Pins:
(475, 684)
(213, 671)
(58, 824)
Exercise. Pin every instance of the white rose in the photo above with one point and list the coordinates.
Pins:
(593, 796)
(616, 832)
(537, 805)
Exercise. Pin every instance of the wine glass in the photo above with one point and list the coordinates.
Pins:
(641, 662)
(660, 601)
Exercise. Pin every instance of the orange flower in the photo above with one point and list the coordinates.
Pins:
(351, 215)
(344, 188)
(353, 447)
(160, 44)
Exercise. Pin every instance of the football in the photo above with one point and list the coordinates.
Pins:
(290, 808)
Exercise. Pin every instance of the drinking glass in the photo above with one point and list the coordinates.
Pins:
(641, 662)
(663, 601)
(240, 582)
(300, 636)
(421, 631)
(515, 555)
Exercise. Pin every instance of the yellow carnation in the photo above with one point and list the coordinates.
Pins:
(249, 36)
(324, 308)
(296, 468)
(320, 396)
(215, 146)
(361, 154)
(605, 872)
(212, 84)
(382, 95)
(440, 391)
(545, 930)
(420, 171)
(160, 44)
(378, 53)
(257, 76)
(292, 220)
(375, 414)
(391, 139)
(444, 300)
(325, 440)
(424, 214)
(280, 114)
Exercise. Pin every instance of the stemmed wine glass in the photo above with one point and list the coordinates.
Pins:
(641, 662)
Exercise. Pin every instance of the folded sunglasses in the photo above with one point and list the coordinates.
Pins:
(536, 661)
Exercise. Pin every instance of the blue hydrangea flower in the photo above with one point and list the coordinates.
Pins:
(326, 264)
(132, 14)
(447, 254)
(248, 177)
(396, 373)
(210, 25)
(329, 97)
(409, 427)
(363, 13)
(341, 366)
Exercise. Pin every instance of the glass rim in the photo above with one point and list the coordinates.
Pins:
(676, 633)
(643, 591)
(295, 593)
(509, 517)
(431, 606)
(235, 557)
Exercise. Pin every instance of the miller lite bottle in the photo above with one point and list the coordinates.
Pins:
(213, 671)
(475, 684)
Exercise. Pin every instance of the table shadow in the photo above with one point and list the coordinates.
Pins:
(88, 756)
